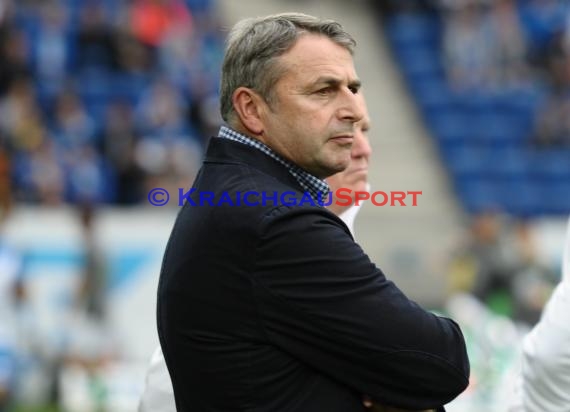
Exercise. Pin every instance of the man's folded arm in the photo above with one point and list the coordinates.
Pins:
(322, 300)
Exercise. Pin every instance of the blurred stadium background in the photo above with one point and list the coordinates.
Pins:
(102, 100)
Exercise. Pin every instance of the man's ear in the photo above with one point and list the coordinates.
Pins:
(247, 104)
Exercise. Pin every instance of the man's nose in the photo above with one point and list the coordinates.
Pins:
(361, 145)
(351, 107)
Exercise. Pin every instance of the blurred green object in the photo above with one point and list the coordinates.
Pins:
(500, 303)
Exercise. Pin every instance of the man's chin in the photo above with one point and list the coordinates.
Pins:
(360, 185)
(333, 169)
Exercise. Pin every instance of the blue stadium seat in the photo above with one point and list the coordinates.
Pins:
(551, 165)
(129, 87)
(94, 85)
(520, 197)
(497, 128)
(199, 6)
(478, 195)
(449, 126)
(412, 29)
(432, 96)
(510, 163)
(483, 135)
(556, 197)
(420, 62)
(466, 161)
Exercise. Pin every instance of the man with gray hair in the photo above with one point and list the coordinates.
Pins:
(270, 305)
(158, 395)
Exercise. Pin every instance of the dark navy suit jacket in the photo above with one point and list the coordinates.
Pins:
(275, 308)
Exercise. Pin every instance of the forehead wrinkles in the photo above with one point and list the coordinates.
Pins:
(302, 77)
(316, 52)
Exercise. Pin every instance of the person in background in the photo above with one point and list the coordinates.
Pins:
(13, 294)
(544, 380)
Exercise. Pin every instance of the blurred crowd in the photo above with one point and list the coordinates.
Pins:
(506, 45)
(102, 99)
(491, 78)
(511, 49)
(498, 262)
(516, 49)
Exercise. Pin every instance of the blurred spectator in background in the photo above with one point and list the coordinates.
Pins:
(467, 46)
(541, 20)
(553, 115)
(14, 57)
(5, 9)
(89, 89)
(485, 265)
(72, 125)
(52, 47)
(168, 151)
(87, 177)
(100, 100)
(204, 113)
(496, 48)
(545, 363)
(533, 281)
(5, 184)
(119, 140)
(12, 296)
(179, 51)
(152, 19)
(508, 47)
(502, 68)
(161, 111)
(20, 118)
(553, 121)
(41, 175)
(544, 381)
(134, 58)
(75, 134)
(499, 266)
(90, 345)
(484, 45)
(91, 294)
(96, 39)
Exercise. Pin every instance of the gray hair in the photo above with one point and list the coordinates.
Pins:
(253, 48)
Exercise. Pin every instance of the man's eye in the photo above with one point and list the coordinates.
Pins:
(324, 91)
(353, 89)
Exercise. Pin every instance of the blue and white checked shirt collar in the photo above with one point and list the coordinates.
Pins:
(308, 182)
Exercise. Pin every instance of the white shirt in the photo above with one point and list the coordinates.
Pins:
(158, 395)
(544, 382)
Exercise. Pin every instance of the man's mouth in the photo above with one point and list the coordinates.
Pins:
(344, 139)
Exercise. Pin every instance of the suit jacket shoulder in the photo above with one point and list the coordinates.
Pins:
(274, 307)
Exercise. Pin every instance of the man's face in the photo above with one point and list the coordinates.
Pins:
(355, 176)
(311, 120)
